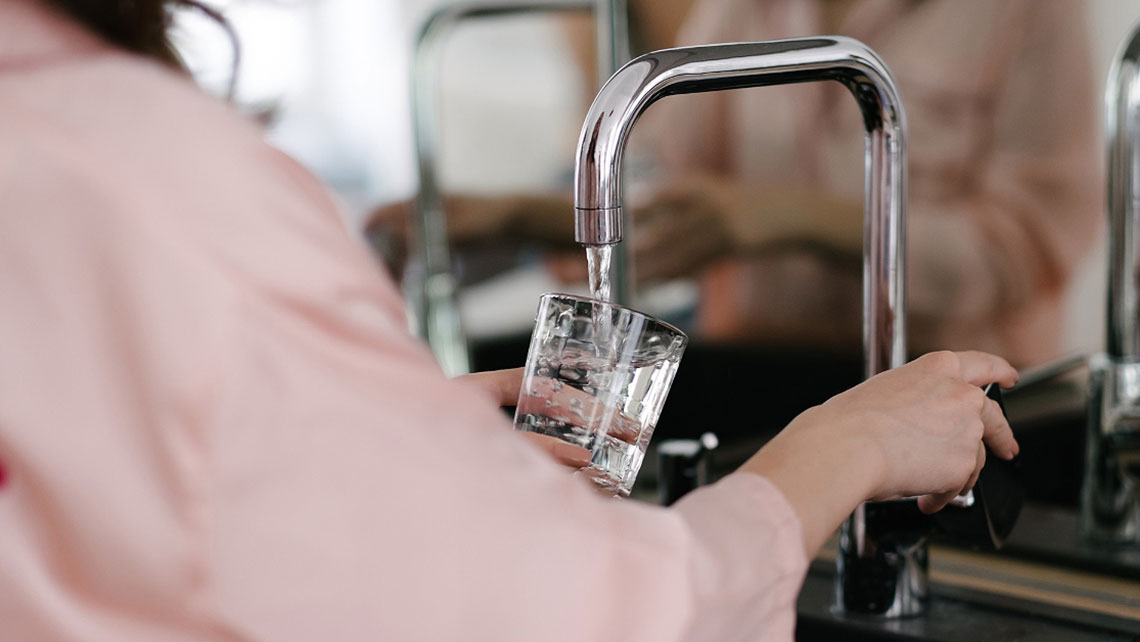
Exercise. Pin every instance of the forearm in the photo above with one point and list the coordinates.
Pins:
(544, 218)
(759, 216)
(822, 479)
(540, 218)
(813, 216)
(515, 547)
(978, 264)
(955, 276)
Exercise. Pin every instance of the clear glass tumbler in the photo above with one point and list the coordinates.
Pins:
(596, 378)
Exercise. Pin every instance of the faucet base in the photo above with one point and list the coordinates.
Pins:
(883, 562)
(1110, 502)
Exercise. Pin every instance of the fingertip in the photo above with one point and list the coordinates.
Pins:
(983, 368)
(571, 455)
(928, 505)
(1006, 448)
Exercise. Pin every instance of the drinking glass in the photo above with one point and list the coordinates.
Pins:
(596, 378)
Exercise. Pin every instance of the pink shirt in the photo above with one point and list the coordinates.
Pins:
(1004, 156)
(215, 426)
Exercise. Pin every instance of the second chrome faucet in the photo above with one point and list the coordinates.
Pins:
(1111, 502)
(429, 282)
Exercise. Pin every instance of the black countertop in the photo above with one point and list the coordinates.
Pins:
(946, 620)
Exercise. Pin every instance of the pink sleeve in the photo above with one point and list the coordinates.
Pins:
(356, 494)
(216, 425)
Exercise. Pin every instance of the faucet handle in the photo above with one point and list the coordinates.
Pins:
(986, 516)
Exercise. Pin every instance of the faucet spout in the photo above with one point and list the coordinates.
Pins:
(598, 221)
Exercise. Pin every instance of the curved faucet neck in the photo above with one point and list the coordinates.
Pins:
(643, 81)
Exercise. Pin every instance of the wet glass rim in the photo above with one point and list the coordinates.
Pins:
(585, 299)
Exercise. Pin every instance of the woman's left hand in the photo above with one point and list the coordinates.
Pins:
(504, 387)
(501, 385)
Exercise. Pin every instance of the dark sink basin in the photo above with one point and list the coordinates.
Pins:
(950, 617)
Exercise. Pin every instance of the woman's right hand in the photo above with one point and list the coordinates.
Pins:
(928, 421)
(920, 429)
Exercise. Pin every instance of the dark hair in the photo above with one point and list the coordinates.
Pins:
(139, 26)
(142, 26)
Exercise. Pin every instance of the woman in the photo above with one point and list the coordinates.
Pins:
(215, 426)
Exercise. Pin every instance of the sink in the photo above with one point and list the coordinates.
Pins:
(972, 603)
(1045, 585)
(947, 618)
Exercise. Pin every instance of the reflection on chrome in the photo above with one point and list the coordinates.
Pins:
(429, 282)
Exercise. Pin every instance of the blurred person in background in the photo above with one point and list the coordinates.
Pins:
(1004, 181)
(215, 426)
(1004, 176)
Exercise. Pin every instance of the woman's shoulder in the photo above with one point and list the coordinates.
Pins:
(146, 134)
(160, 154)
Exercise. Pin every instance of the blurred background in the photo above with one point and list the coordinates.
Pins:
(331, 81)
(330, 78)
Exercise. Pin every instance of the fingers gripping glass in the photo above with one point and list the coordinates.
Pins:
(595, 382)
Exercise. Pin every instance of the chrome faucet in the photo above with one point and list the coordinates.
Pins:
(879, 572)
(1110, 506)
(429, 282)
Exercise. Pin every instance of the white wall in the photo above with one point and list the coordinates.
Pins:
(335, 75)
(513, 103)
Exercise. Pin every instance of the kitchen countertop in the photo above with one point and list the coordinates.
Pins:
(1083, 593)
(947, 619)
